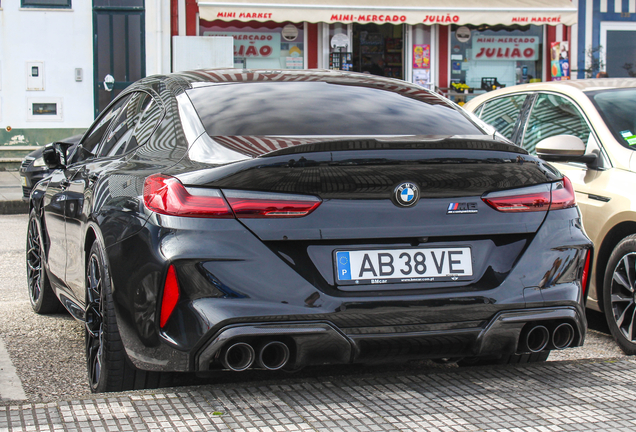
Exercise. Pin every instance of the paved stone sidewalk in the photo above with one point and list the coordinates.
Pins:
(559, 396)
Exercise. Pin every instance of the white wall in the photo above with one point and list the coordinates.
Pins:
(157, 37)
(63, 40)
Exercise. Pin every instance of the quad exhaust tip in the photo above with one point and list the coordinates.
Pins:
(537, 338)
(238, 357)
(273, 355)
(562, 336)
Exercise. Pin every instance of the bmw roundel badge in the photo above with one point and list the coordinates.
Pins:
(406, 194)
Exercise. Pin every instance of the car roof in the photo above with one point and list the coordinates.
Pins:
(568, 87)
(198, 78)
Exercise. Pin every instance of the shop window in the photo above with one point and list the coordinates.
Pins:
(497, 56)
(502, 113)
(268, 45)
(63, 4)
(378, 49)
(553, 115)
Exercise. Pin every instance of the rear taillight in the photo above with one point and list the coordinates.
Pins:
(270, 205)
(534, 198)
(170, 296)
(553, 196)
(166, 195)
(562, 195)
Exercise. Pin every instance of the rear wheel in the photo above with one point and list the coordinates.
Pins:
(41, 295)
(619, 294)
(109, 368)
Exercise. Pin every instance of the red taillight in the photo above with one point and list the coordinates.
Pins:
(554, 196)
(270, 205)
(562, 195)
(166, 195)
(586, 273)
(535, 198)
(170, 296)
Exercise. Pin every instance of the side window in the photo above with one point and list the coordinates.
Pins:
(152, 114)
(94, 137)
(553, 115)
(502, 113)
(133, 125)
(122, 129)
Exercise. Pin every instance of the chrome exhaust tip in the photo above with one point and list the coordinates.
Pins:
(273, 355)
(238, 357)
(562, 336)
(537, 338)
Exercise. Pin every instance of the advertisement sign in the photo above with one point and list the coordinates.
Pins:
(253, 44)
(421, 56)
(560, 12)
(559, 61)
(519, 48)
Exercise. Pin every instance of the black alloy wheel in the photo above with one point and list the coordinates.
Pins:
(41, 295)
(619, 294)
(94, 322)
(109, 368)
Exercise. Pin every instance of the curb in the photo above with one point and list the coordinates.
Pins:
(14, 207)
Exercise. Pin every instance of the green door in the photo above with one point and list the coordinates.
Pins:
(118, 46)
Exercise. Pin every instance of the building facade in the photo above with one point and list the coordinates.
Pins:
(606, 37)
(56, 54)
(445, 47)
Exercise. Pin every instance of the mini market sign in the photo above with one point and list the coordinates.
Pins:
(505, 48)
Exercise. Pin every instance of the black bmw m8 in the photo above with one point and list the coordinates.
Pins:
(235, 219)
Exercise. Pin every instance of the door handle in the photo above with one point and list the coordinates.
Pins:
(92, 178)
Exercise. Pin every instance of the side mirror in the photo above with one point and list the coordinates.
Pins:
(564, 148)
(54, 155)
(51, 157)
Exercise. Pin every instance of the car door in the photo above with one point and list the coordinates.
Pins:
(553, 114)
(90, 187)
(60, 199)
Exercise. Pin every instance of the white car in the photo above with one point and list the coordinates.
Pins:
(587, 128)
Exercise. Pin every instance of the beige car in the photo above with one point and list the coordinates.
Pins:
(587, 130)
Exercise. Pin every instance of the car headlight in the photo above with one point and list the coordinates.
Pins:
(39, 162)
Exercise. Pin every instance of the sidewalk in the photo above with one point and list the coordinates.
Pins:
(556, 396)
(11, 194)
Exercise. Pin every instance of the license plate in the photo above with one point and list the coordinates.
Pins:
(381, 266)
(24, 181)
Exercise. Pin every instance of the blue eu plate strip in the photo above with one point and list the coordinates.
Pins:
(344, 266)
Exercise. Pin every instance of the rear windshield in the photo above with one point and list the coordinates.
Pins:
(321, 108)
(618, 109)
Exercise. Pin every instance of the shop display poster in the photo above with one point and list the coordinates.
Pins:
(559, 61)
(422, 77)
(421, 56)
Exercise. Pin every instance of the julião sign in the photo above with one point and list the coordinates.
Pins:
(505, 48)
(253, 45)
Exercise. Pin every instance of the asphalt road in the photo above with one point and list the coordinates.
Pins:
(48, 351)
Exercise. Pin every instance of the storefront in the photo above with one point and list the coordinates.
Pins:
(499, 42)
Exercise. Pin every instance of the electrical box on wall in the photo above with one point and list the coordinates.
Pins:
(35, 75)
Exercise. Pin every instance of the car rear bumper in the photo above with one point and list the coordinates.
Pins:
(320, 342)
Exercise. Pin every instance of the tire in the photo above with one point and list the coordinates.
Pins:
(506, 359)
(619, 294)
(41, 296)
(109, 368)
